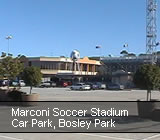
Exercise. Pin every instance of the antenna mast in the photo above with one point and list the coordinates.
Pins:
(151, 29)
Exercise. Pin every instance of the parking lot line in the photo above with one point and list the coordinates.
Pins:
(10, 138)
(149, 138)
(102, 136)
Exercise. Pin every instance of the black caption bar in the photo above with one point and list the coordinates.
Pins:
(79, 117)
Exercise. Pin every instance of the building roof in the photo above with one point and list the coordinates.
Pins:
(84, 60)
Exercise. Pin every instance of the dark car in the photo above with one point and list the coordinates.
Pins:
(47, 84)
(101, 85)
(93, 86)
(4, 83)
(14, 83)
(115, 87)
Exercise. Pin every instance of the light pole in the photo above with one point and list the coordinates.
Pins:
(8, 38)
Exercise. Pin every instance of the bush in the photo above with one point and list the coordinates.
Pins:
(32, 76)
(15, 95)
(147, 77)
(10, 67)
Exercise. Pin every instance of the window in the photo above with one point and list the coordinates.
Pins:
(97, 68)
(30, 63)
(84, 67)
(62, 66)
(90, 68)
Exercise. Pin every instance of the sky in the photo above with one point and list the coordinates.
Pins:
(56, 27)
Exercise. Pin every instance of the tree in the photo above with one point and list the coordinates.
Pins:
(32, 76)
(142, 55)
(158, 53)
(22, 58)
(3, 54)
(147, 77)
(124, 52)
(10, 67)
(131, 55)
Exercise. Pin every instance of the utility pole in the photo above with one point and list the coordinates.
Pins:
(151, 30)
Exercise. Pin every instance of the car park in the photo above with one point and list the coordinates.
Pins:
(113, 86)
(80, 86)
(47, 84)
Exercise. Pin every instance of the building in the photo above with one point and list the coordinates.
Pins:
(62, 67)
(123, 68)
(127, 64)
(121, 77)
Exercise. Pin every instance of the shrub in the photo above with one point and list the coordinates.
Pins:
(147, 77)
(32, 76)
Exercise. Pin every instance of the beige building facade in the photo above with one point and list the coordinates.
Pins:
(62, 67)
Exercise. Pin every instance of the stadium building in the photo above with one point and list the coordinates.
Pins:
(62, 67)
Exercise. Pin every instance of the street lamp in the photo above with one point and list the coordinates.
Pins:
(8, 38)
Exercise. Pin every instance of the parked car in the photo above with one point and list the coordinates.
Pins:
(101, 85)
(3, 83)
(69, 83)
(22, 83)
(14, 83)
(115, 87)
(17, 83)
(80, 86)
(47, 84)
(62, 84)
(93, 86)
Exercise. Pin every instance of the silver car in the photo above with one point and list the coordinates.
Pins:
(47, 84)
(80, 86)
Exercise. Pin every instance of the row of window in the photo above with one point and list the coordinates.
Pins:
(130, 68)
(64, 66)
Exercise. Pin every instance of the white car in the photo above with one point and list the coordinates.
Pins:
(22, 83)
(47, 84)
(80, 86)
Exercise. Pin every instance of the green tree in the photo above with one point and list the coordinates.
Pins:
(131, 55)
(147, 77)
(158, 53)
(22, 58)
(10, 67)
(124, 52)
(32, 76)
(142, 55)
